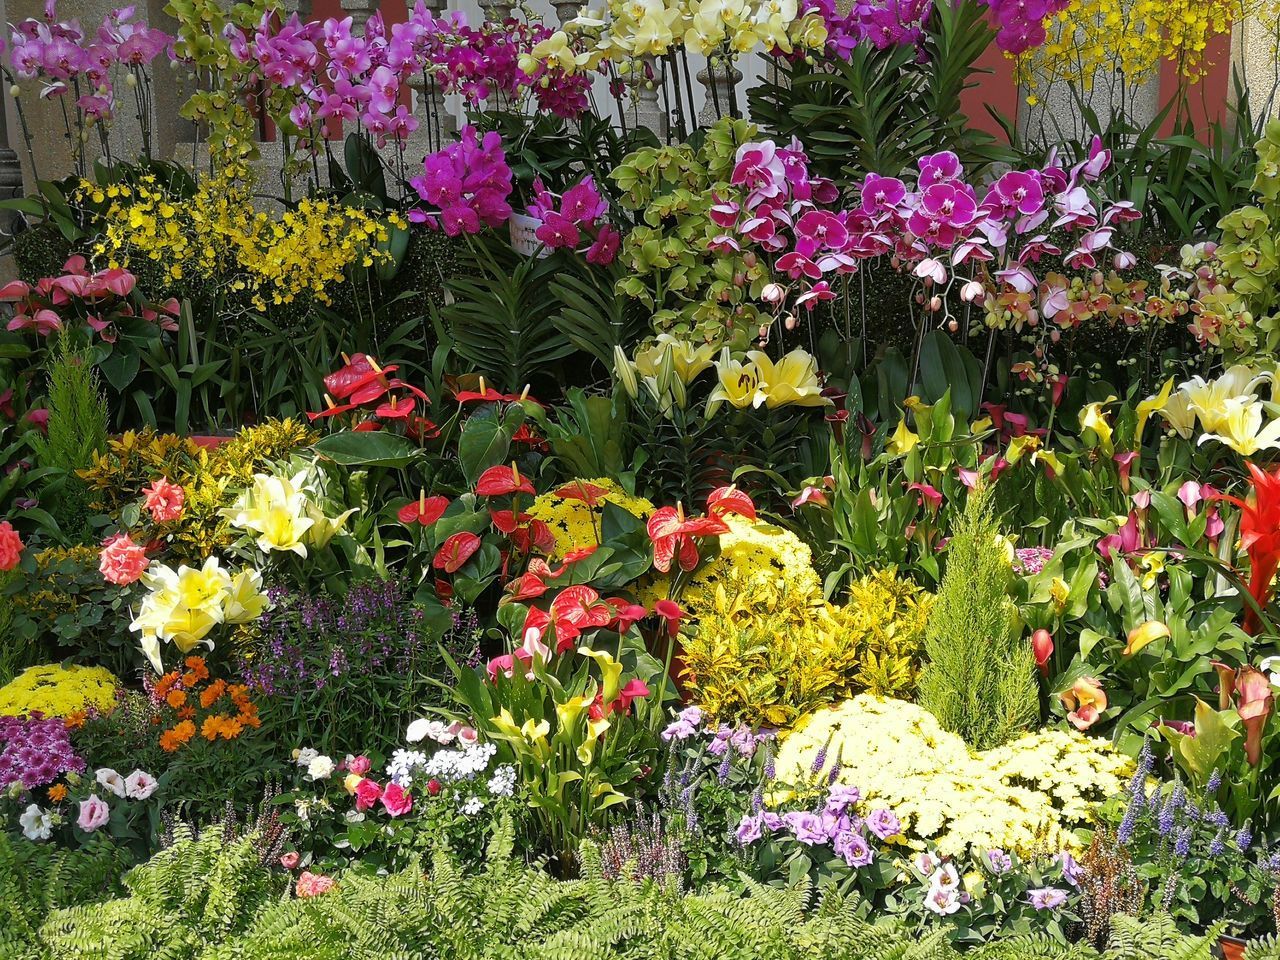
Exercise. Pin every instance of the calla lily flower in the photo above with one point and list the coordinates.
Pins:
(1086, 701)
(1144, 634)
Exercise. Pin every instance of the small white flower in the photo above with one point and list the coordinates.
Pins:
(472, 806)
(942, 901)
(927, 863)
(304, 756)
(110, 780)
(320, 767)
(36, 824)
(139, 785)
(946, 878)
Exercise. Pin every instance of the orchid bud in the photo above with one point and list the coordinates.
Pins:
(1124, 260)
(935, 303)
(790, 322)
(130, 80)
(971, 291)
(773, 293)
(739, 279)
(15, 91)
(952, 326)
(750, 259)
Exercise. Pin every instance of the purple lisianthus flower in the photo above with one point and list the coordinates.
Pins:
(853, 848)
(1000, 862)
(743, 741)
(1071, 870)
(679, 730)
(771, 821)
(884, 824)
(841, 797)
(1047, 898)
(806, 827)
(749, 830)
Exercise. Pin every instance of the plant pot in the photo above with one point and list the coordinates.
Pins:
(1231, 948)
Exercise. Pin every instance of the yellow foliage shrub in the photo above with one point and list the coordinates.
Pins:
(1029, 795)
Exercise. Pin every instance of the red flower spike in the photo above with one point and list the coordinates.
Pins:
(502, 480)
(726, 500)
(456, 551)
(425, 510)
(1259, 537)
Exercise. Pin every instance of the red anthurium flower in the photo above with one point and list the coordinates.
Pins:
(425, 510)
(575, 610)
(581, 553)
(625, 614)
(332, 409)
(355, 380)
(672, 532)
(421, 428)
(588, 493)
(396, 409)
(506, 520)
(670, 611)
(726, 500)
(367, 426)
(456, 551)
(501, 480)
(488, 395)
(1259, 536)
(526, 435)
(533, 535)
(532, 583)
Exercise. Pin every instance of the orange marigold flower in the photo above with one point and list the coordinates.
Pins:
(197, 666)
(211, 726)
(210, 694)
(231, 728)
(171, 740)
(57, 793)
(176, 699)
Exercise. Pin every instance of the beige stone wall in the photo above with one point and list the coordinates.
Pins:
(1254, 56)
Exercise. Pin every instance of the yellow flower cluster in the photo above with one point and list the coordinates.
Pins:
(207, 477)
(217, 236)
(765, 655)
(637, 28)
(1026, 796)
(759, 556)
(1132, 37)
(574, 511)
(58, 691)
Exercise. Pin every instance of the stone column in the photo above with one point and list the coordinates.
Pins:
(718, 79)
(646, 110)
(496, 9)
(359, 11)
(1255, 60)
(566, 10)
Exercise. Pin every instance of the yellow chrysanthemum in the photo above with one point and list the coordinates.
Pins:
(58, 691)
(574, 511)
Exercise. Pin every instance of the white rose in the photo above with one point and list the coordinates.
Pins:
(110, 780)
(417, 731)
(320, 767)
(304, 757)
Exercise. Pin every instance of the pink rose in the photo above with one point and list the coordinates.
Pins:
(94, 813)
(289, 860)
(164, 500)
(10, 546)
(122, 561)
(359, 765)
(367, 794)
(396, 800)
(313, 884)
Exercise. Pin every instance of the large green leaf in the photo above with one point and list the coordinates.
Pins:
(374, 448)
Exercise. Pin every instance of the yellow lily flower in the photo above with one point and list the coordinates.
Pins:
(1209, 399)
(1178, 414)
(902, 441)
(245, 601)
(739, 384)
(1239, 426)
(276, 509)
(792, 381)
